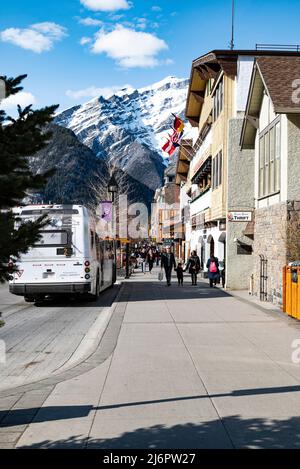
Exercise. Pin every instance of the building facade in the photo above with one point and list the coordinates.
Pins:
(220, 180)
(272, 130)
(165, 215)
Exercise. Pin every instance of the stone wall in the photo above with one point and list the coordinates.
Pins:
(293, 167)
(277, 238)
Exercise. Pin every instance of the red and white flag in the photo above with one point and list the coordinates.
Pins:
(169, 147)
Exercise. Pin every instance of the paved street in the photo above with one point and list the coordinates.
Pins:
(178, 367)
(42, 339)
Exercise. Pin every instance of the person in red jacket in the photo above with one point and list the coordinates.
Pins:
(213, 270)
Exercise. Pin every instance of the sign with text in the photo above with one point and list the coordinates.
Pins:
(239, 216)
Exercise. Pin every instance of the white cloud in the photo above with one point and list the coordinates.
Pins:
(94, 92)
(116, 17)
(22, 98)
(106, 5)
(141, 23)
(38, 37)
(90, 22)
(85, 40)
(54, 30)
(156, 8)
(128, 47)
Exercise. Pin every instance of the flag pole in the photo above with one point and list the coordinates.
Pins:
(232, 27)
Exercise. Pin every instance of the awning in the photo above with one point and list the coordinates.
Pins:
(249, 230)
(202, 171)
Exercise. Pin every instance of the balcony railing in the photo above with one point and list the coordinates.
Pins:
(198, 193)
(281, 47)
(202, 202)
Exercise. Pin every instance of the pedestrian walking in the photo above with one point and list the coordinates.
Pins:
(179, 272)
(157, 255)
(144, 256)
(150, 259)
(193, 266)
(213, 270)
(168, 262)
(222, 272)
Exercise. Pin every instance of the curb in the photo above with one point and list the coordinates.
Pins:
(87, 363)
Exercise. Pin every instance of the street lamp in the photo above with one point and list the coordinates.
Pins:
(112, 187)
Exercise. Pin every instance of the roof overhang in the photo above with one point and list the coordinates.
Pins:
(275, 78)
(251, 119)
(209, 66)
(185, 156)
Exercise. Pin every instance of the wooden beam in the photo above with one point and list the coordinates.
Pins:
(254, 121)
(182, 176)
(183, 166)
(193, 120)
(201, 73)
(188, 153)
(213, 70)
(199, 96)
(229, 67)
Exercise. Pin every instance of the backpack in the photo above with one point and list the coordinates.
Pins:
(213, 267)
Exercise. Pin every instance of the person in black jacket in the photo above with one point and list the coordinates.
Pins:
(193, 266)
(213, 270)
(179, 271)
(168, 262)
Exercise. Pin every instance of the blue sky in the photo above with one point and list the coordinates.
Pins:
(72, 49)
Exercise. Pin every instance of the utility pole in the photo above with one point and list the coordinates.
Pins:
(232, 27)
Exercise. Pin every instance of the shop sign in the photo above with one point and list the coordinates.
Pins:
(239, 216)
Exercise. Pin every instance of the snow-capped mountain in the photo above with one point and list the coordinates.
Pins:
(128, 128)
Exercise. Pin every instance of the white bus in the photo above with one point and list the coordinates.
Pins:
(70, 257)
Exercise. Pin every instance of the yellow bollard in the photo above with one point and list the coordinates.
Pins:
(289, 290)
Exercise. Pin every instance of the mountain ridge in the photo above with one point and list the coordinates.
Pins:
(127, 128)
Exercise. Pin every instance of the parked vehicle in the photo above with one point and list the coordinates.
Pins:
(69, 259)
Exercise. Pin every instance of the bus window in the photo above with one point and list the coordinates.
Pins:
(53, 238)
(98, 251)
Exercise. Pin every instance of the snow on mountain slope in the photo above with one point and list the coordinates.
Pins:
(128, 128)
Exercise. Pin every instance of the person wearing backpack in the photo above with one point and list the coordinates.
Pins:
(194, 267)
(213, 270)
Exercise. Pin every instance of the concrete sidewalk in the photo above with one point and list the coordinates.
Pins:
(191, 367)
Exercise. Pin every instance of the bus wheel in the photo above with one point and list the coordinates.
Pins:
(39, 299)
(29, 299)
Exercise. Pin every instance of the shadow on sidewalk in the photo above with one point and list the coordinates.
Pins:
(106, 299)
(155, 290)
(53, 413)
(232, 432)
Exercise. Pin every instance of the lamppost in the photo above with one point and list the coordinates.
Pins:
(112, 188)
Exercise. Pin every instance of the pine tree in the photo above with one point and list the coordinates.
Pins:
(20, 139)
